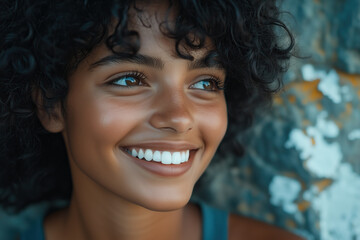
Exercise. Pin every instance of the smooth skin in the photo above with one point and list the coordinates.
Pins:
(166, 102)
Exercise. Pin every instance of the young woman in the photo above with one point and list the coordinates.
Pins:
(119, 107)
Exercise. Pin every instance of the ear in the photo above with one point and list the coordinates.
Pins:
(53, 120)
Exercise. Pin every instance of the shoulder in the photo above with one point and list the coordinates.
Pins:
(240, 226)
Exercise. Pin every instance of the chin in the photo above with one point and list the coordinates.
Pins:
(166, 203)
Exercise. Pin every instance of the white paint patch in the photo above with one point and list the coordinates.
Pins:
(322, 158)
(329, 86)
(301, 142)
(354, 135)
(325, 157)
(339, 206)
(309, 73)
(326, 127)
(284, 191)
(329, 82)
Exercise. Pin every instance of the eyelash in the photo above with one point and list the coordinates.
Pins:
(134, 74)
(141, 77)
(218, 83)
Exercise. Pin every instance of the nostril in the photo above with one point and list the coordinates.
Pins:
(175, 130)
(177, 122)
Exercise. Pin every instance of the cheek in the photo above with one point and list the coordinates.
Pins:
(214, 124)
(100, 123)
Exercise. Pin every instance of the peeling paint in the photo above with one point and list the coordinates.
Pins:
(329, 86)
(309, 73)
(322, 158)
(284, 191)
(354, 135)
(339, 206)
(301, 142)
(329, 82)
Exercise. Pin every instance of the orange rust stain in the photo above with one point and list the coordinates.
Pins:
(270, 217)
(319, 106)
(289, 174)
(313, 142)
(290, 223)
(322, 184)
(339, 123)
(354, 79)
(309, 89)
(303, 206)
(304, 131)
(278, 100)
(292, 99)
(348, 111)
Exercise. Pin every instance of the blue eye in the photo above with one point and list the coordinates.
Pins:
(126, 81)
(208, 85)
(132, 79)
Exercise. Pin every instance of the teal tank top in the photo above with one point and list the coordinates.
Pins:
(215, 225)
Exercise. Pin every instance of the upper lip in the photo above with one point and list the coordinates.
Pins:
(163, 146)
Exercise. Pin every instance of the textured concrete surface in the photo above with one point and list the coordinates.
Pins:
(301, 169)
(328, 31)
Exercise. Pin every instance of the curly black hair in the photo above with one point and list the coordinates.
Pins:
(43, 41)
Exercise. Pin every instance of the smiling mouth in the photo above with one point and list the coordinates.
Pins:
(164, 157)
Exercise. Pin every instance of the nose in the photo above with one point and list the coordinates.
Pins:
(172, 112)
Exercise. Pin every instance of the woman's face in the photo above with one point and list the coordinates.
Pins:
(155, 104)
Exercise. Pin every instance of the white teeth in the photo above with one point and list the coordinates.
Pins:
(148, 155)
(183, 157)
(141, 154)
(157, 156)
(176, 158)
(134, 153)
(165, 157)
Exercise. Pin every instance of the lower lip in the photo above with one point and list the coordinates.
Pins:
(165, 170)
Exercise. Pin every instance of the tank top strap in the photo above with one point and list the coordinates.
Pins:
(214, 223)
(35, 232)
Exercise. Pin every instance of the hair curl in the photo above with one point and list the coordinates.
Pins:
(43, 41)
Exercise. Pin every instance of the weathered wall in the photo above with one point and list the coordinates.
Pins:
(301, 170)
(328, 31)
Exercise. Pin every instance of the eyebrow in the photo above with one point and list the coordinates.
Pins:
(205, 63)
(151, 61)
(123, 58)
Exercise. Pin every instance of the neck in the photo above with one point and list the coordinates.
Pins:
(95, 213)
(121, 221)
